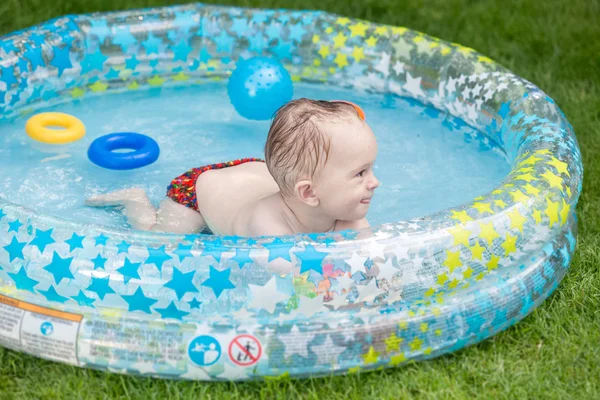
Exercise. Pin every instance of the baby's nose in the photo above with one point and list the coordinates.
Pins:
(374, 183)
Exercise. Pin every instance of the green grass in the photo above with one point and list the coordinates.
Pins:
(553, 353)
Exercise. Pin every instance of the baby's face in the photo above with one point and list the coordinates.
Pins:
(346, 183)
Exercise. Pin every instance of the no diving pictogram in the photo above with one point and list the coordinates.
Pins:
(245, 350)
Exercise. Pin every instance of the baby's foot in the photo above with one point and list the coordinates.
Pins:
(117, 198)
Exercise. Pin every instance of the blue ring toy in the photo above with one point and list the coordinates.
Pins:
(145, 151)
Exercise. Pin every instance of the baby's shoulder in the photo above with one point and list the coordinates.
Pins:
(265, 220)
(344, 225)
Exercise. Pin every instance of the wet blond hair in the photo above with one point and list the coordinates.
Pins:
(296, 148)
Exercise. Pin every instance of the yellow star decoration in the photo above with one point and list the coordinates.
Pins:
(532, 190)
(354, 370)
(358, 29)
(525, 177)
(77, 92)
(467, 273)
(424, 327)
(98, 87)
(416, 344)
(358, 54)
(156, 81)
(460, 234)
(371, 41)
(397, 359)
(281, 377)
(430, 292)
(564, 212)
(438, 332)
(441, 279)
(531, 160)
(516, 219)
(315, 39)
(316, 62)
(427, 351)
(339, 40)
(402, 324)
(483, 207)
(392, 343)
(552, 212)
(454, 283)
(500, 203)
(480, 276)
(446, 50)
(488, 232)
(436, 311)
(324, 51)
(343, 21)
(461, 216)
(553, 180)
(133, 85)
(341, 60)
(509, 244)
(452, 260)
(492, 264)
(560, 166)
(371, 357)
(381, 30)
(519, 196)
(485, 59)
(399, 30)
(329, 30)
(181, 77)
(537, 215)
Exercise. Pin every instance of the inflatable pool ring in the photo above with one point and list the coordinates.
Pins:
(102, 151)
(231, 308)
(37, 128)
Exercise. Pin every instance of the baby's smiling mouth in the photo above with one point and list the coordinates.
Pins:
(366, 200)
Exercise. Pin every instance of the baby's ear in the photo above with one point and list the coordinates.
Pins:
(305, 192)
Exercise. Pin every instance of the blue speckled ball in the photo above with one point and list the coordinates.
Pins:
(258, 87)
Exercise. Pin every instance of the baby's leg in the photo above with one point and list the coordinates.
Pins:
(177, 218)
(141, 214)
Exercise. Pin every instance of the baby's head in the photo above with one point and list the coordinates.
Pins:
(322, 153)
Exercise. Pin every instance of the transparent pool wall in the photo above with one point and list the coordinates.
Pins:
(512, 112)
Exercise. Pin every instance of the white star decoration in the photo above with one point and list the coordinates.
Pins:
(384, 64)
(327, 352)
(356, 263)
(266, 296)
(387, 270)
(368, 292)
(398, 67)
(413, 85)
(309, 307)
(375, 249)
(296, 342)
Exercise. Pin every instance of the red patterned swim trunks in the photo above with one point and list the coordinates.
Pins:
(183, 188)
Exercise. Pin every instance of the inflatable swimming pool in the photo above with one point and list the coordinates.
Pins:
(228, 308)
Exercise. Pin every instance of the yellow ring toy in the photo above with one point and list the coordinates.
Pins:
(37, 128)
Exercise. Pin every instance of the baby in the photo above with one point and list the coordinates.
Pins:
(317, 177)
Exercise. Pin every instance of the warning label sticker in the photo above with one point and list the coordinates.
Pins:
(39, 330)
(245, 350)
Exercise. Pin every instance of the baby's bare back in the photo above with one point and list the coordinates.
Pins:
(228, 197)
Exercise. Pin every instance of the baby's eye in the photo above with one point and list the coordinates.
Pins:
(361, 173)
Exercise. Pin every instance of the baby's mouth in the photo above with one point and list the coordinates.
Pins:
(366, 201)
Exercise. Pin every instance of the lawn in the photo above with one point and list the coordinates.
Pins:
(553, 353)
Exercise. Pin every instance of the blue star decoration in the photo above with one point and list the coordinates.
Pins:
(7, 75)
(182, 283)
(83, 300)
(52, 295)
(132, 63)
(183, 251)
(60, 268)
(99, 262)
(157, 256)
(181, 51)
(129, 270)
(123, 247)
(171, 311)
(15, 249)
(93, 61)
(75, 242)
(242, 257)
(194, 303)
(101, 287)
(23, 281)
(152, 44)
(278, 248)
(101, 240)
(14, 226)
(219, 281)
(61, 59)
(138, 301)
(311, 260)
(214, 249)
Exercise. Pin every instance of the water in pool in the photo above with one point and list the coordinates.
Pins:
(427, 161)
